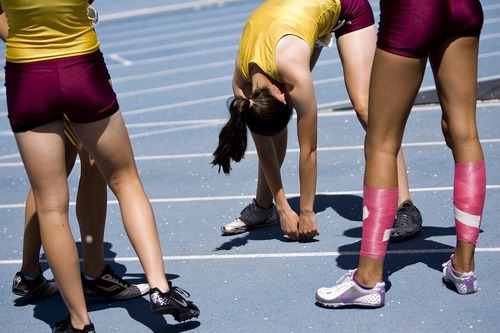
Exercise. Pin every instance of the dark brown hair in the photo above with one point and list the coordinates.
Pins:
(262, 113)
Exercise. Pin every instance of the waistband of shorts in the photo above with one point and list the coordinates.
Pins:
(59, 61)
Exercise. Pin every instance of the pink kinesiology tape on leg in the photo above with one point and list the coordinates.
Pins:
(379, 209)
(468, 198)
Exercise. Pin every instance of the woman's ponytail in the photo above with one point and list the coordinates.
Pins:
(262, 113)
(233, 136)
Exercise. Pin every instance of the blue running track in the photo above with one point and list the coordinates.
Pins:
(171, 62)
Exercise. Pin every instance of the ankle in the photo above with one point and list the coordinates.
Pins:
(93, 272)
(462, 266)
(79, 326)
(462, 259)
(264, 207)
(367, 280)
(31, 270)
(163, 288)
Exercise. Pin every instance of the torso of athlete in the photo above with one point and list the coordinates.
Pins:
(48, 29)
(274, 19)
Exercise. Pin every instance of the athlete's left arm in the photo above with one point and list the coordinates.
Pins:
(293, 64)
(4, 25)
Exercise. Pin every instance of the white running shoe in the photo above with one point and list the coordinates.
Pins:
(466, 283)
(251, 217)
(347, 292)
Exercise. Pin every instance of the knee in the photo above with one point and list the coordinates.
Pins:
(459, 136)
(377, 147)
(121, 183)
(361, 109)
(53, 206)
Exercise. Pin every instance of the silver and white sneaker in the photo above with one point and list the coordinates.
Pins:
(347, 292)
(466, 283)
(111, 285)
(251, 217)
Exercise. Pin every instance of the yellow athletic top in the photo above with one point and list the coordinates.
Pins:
(273, 20)
(47, 29)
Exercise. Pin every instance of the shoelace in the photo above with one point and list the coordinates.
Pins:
(162, 300)
(345, 277)
(404, 218)
(181, 292)
(113, 278)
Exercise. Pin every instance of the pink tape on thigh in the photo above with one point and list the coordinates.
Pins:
(468, 198)
(379, 209)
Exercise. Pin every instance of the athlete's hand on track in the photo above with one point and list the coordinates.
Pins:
(307, 225)
(290, 224)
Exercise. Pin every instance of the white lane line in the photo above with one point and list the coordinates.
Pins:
(168, 72)
(251, 196)
(142, 92)
(119, 59)
(250, 152)
(197, 5)
(183, 44)
(170, 58)
(176, 30)
(274, 255)
(180, 34)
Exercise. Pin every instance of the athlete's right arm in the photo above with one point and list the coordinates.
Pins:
(270, 165)
(241, 88)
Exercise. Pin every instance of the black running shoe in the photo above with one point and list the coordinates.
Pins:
(173, 303)
(39, 287)
(408, 222)
(111, 285)
(64, 326)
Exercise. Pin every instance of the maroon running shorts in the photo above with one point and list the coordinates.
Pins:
(412, 28)
(41, 92)
(356, 14)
